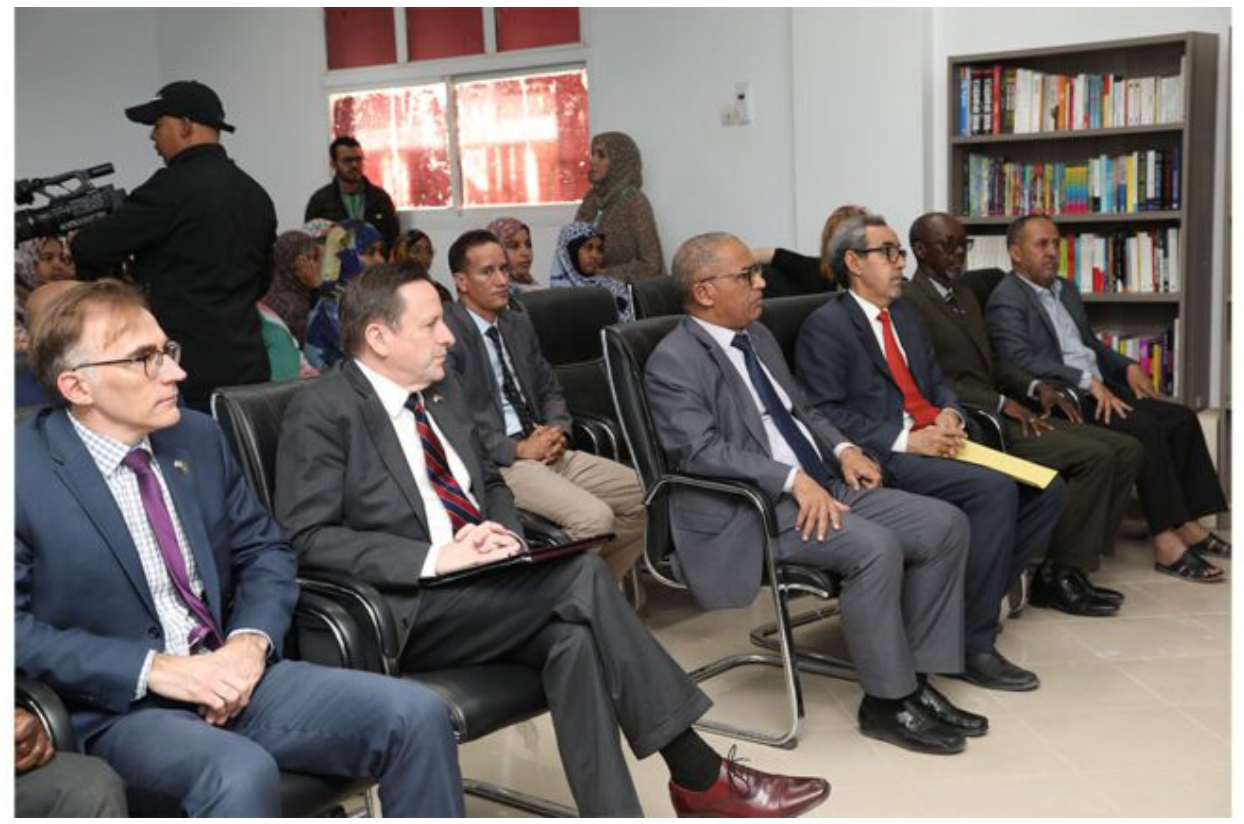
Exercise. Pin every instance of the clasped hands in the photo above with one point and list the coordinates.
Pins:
(220, 683)
(941, 439)
(545, 444)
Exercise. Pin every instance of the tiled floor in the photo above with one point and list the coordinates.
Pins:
(1133, 717)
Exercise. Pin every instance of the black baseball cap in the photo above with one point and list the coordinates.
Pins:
(185, 98)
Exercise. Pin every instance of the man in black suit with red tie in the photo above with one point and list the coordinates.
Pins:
(381, 476)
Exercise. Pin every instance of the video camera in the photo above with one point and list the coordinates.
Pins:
(70, 208)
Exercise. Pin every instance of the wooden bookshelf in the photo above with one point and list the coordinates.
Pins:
(1191, 136)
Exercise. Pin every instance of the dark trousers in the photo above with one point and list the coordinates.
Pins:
(1010, 524)
(302, 718)
(1177, 482)
(1099, 468)
(70, 786)
(601, 667)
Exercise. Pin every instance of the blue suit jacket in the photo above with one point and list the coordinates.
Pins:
(85, 615)
(844, 374)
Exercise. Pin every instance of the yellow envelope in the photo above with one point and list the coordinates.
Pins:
(1027, 472)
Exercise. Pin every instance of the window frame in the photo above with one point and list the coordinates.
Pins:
(491, 65)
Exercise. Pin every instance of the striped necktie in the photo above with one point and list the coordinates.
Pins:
(457, 505)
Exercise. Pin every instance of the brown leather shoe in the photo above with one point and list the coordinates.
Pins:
(741, 792)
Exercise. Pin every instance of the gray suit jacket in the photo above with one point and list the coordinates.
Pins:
(468, 359)
(709, 426)
(1023, 333)
(345, 494)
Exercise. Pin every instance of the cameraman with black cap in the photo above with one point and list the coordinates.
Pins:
(200, 232)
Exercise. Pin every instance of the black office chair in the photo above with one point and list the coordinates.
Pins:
(982, 283)
(568, 324)
(352, 626)
(627, 348)
(655, 298)
(302, 795)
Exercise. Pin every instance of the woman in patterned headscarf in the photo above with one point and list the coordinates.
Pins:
(38, 261)
(581, 251)
(349, 249)
(617, 207)
(515, 237)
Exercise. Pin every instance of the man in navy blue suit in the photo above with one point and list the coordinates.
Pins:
(865, 363)
(154, 593)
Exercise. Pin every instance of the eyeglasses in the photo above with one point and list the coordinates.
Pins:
(952, 246)
(152, 361)
(748, 273)
(892, 253)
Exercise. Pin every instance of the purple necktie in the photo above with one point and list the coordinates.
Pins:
(139, 460)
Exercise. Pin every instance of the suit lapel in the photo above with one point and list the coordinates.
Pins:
(79, 473)
(738, 388)
(867, 337)
(970, 325)
(380, 428)
(478, 351)
(175, 467)
(522, 370)
(1031, 296)
(907, 328)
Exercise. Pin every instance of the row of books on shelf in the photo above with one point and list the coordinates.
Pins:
(1010, 100)
(1142, 181)
(1155, 353)
(1124, 261)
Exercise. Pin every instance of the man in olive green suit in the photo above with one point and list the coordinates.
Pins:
(1098, 465)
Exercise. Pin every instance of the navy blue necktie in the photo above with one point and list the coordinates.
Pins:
(809, 460)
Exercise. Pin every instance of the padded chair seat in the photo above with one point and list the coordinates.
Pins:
(486, 697)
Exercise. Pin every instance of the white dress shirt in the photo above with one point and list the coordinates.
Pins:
(513, 426)
(779, 449)
(393, 399)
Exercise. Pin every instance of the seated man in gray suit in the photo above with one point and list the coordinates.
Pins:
(1038, 322)
(725, 405)
(381, 476)
(521, 416)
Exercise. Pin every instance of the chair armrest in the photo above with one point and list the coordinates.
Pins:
(352, 616)
(541, 532)
(995, 434)
(595, 434)
(43, 702)
(735, 488)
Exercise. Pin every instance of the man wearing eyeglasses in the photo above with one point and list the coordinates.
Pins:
(867, 365)
(351, 195)
(153, 592)
(726, 406)
(1099, 466)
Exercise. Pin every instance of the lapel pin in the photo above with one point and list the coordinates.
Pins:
(182, 467)
(437, 399)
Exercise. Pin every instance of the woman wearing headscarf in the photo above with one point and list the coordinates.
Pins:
(618, 208)
(581, 251)
(284, 310)
(515, 237)
(38, 261)
(349, 249)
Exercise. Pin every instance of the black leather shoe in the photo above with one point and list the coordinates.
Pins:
(993, 672)
(909, 727)
(1103, 594)
(958, 719)
(1057, 587)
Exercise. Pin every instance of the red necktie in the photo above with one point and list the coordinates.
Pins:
(457, 505)
(916, 405)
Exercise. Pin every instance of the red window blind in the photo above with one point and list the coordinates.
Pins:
(525, 28)
(444, 32)
(359, 37)
(405, 139)
(523, 140)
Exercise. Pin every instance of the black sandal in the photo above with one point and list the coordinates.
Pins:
(1192, 567)
(1213, 545)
